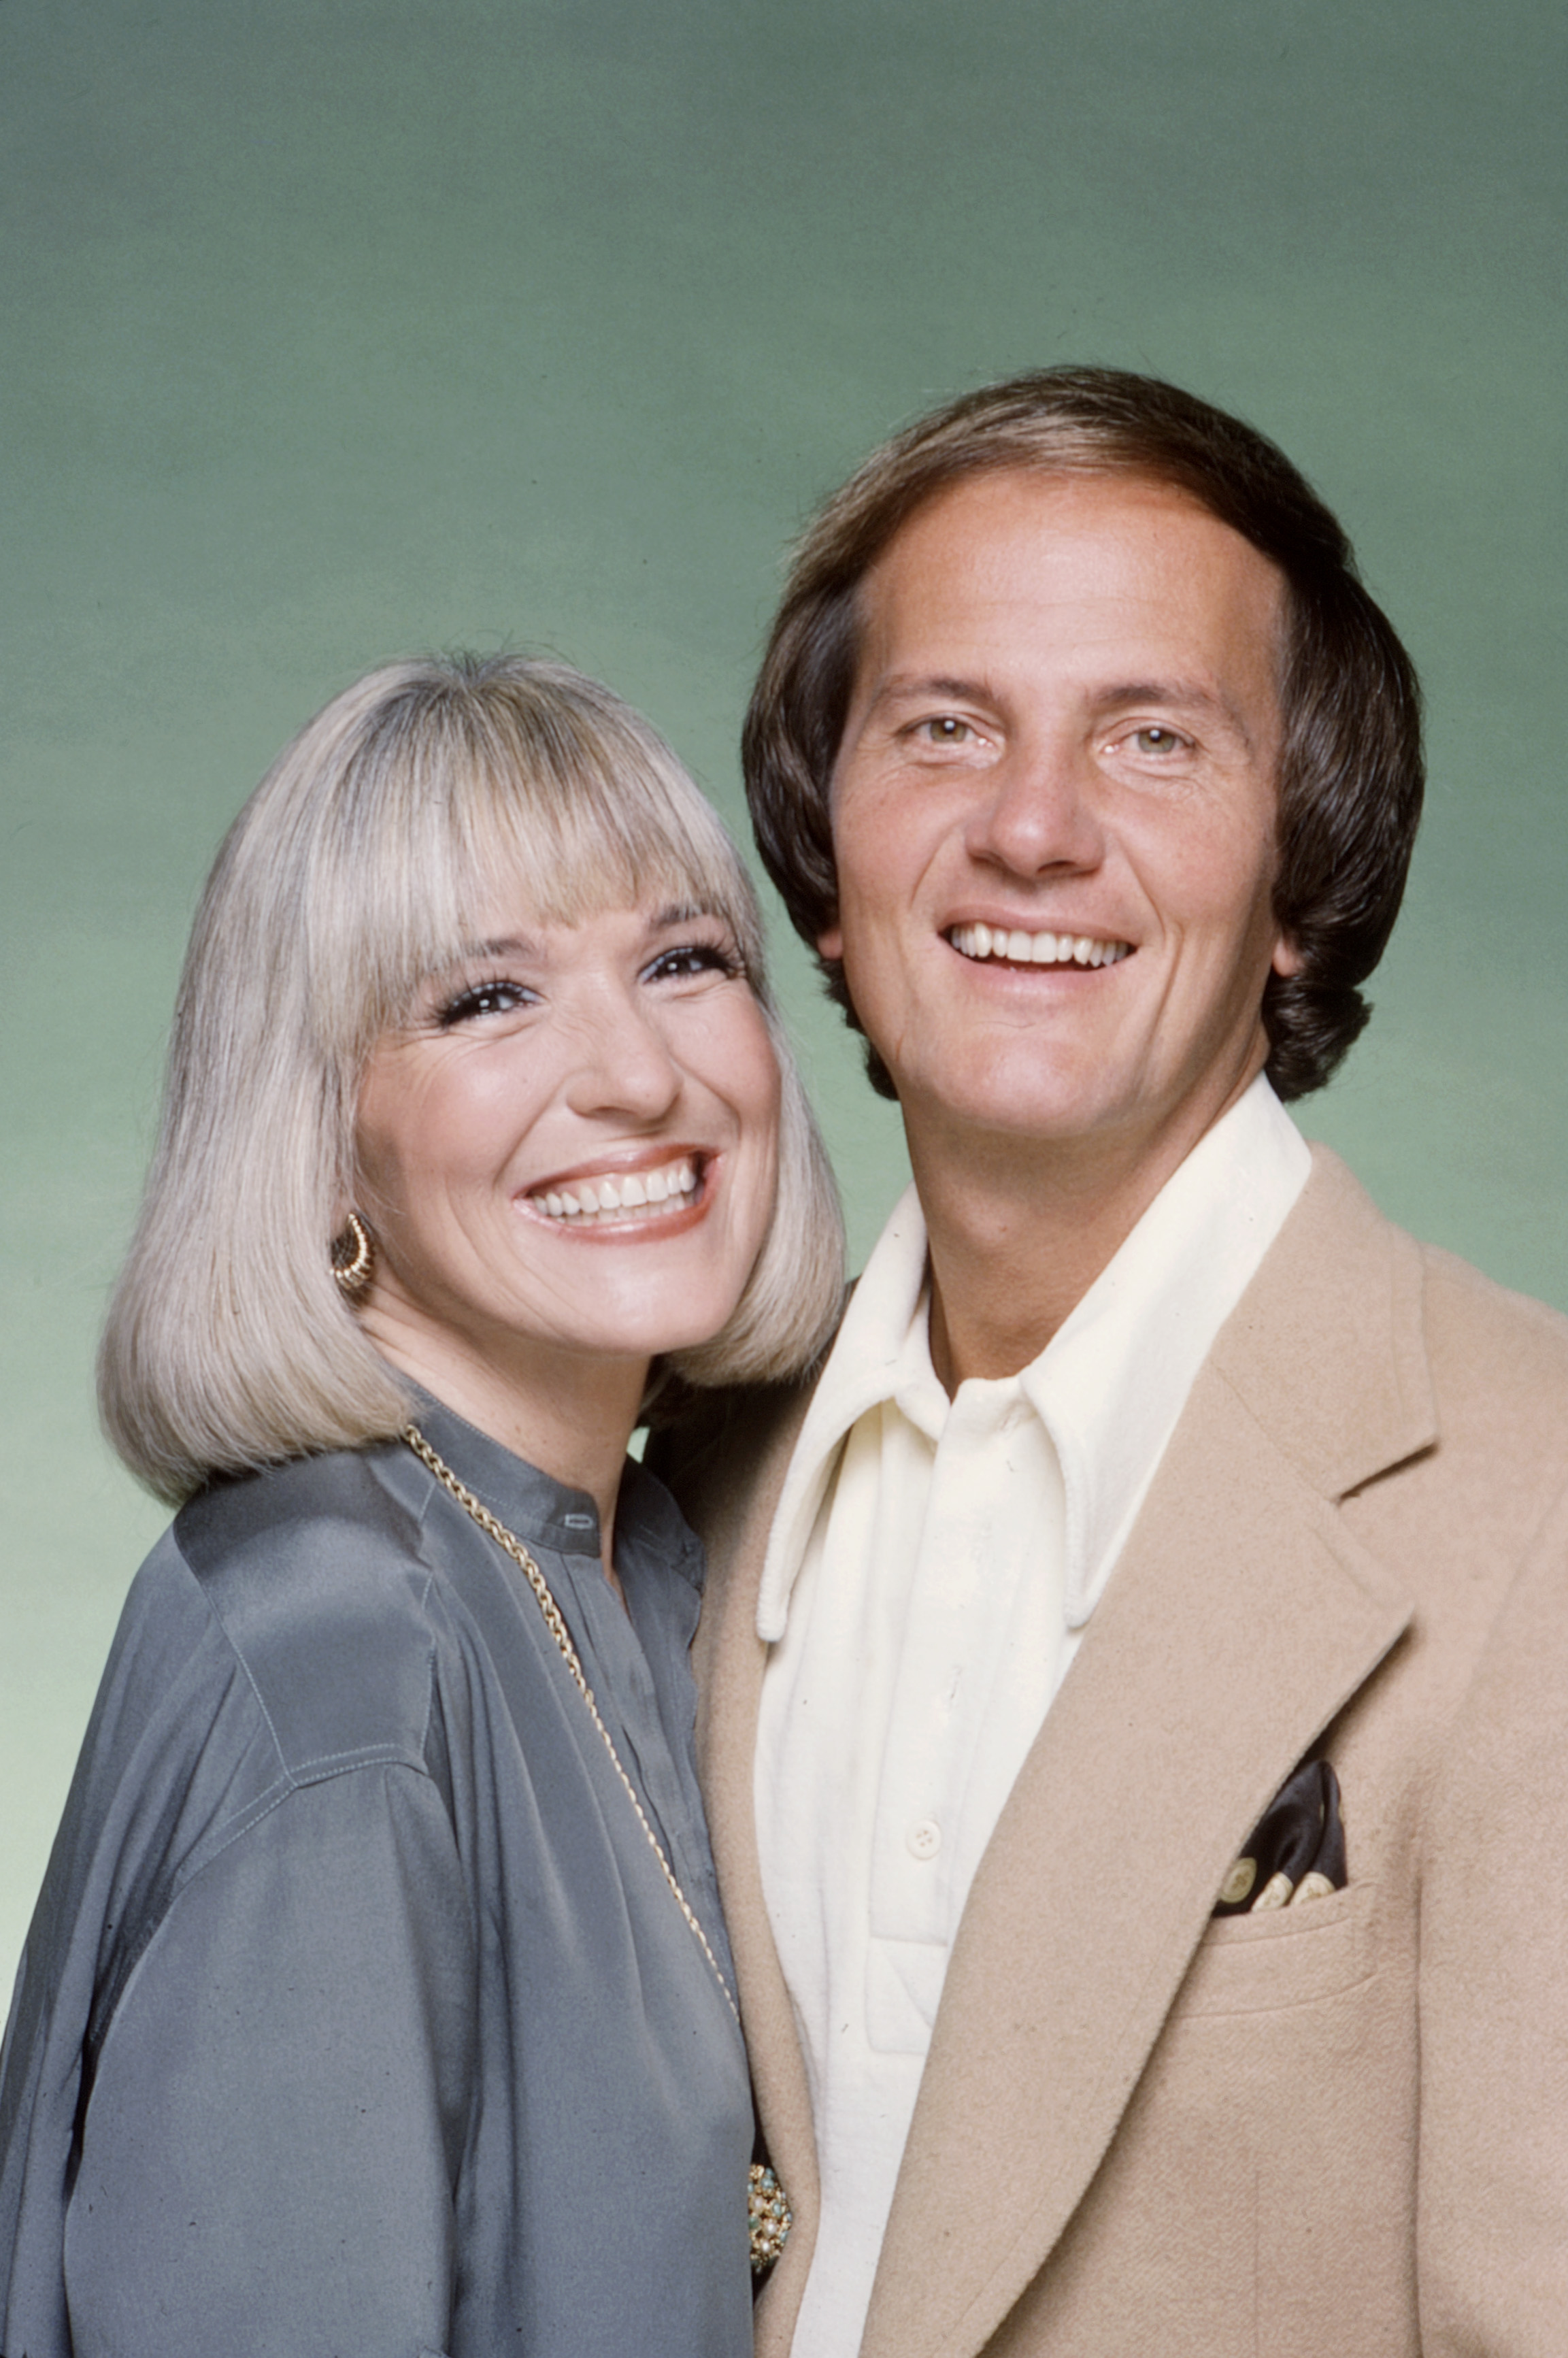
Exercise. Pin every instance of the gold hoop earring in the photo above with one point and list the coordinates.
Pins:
(354, 1257)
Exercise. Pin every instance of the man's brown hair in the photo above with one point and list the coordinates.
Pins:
(1351, 772)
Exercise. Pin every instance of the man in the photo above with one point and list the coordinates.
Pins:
(1122, 1781)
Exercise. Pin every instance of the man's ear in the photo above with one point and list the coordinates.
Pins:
(830, 942)
(1287, 958)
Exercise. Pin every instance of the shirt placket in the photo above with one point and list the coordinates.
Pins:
(963, 1614)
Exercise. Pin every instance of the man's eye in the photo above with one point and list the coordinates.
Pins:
(482, 999)
(1156, 739)
(945, 729)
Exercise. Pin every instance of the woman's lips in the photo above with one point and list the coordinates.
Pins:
(604, 1196)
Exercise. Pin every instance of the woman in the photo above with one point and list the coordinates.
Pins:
(378, 1999)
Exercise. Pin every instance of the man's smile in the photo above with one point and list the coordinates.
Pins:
(1020, 948)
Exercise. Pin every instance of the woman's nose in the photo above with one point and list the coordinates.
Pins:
(624, 1064)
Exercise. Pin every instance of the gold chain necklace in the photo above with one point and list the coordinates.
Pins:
(769, 2215)
(512, 1546)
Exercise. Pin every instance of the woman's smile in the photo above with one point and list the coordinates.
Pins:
(644, 1199)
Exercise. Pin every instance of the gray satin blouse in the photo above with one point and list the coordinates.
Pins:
(357, 2019)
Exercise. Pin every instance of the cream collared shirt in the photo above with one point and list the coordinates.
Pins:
(931, 1570)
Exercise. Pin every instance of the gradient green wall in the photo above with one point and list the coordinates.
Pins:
(339, 331)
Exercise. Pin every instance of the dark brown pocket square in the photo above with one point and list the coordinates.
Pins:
(1295, 1852)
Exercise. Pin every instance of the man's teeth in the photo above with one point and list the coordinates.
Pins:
(597, 1198)
(1037, 949)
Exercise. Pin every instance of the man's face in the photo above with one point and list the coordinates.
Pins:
(1054, 812)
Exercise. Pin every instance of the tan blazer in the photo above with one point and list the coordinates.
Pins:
(1341, 2129)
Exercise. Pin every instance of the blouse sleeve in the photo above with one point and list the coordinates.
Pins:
(271, 2146)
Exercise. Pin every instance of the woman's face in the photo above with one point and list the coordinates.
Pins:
(571, 1147)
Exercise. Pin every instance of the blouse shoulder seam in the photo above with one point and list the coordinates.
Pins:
(295, 1779)
(313, 1769)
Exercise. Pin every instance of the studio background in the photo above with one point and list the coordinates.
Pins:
(340, 330)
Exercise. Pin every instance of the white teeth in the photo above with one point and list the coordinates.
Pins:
(591, 1199)
(979, 941)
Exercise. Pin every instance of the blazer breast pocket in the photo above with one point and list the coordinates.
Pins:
(1286, 1957)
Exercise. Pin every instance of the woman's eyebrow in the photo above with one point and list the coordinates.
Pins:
(680, 912)
(505, 945)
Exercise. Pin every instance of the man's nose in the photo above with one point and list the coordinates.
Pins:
(624, 1065)
(1040, 812)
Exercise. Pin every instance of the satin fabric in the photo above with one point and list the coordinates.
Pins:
(357, 2014)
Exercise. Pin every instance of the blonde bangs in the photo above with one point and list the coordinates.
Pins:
(541, 786)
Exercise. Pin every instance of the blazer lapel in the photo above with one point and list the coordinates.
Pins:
(1241, 1619)
(733, 1519)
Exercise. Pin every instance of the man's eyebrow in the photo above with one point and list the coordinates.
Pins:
(1182, 695)
(901, 686)
(1179, 695)
(933, 683)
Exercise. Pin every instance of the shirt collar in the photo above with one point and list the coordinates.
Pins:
(1112, 1382)
(543, 1512)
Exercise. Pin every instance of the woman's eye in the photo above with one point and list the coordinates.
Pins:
(483, 998)
(945, 729)
(1157, 739)
(690, 959)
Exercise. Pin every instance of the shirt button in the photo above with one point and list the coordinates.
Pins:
(925, 1838)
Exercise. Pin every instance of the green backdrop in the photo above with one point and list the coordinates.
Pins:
(335, 330)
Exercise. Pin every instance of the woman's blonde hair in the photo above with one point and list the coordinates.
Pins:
(350, 877)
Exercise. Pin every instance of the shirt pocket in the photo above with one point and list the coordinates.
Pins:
(1285, 1957)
